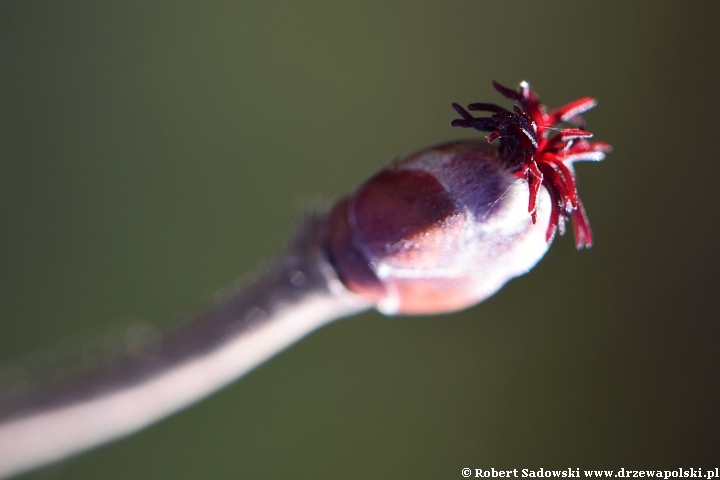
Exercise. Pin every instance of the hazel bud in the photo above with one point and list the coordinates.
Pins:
(446, 227)
(438, 231)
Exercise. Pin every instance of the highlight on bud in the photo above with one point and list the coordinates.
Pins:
(446, 227)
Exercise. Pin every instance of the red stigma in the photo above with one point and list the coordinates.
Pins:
(539, 157)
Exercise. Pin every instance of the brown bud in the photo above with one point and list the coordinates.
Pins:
(438, 231)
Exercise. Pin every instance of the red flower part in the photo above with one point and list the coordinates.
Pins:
(535, 154)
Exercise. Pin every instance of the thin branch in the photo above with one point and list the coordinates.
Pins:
(292, 298)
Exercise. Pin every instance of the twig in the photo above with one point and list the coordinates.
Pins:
(298, 294)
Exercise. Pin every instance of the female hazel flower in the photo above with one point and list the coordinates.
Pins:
(446, 227)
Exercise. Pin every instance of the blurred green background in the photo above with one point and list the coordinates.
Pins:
(152, 153)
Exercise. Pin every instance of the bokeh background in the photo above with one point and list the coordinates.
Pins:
(150, 153)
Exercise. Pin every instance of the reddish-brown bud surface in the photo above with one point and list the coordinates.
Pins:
(438, 231)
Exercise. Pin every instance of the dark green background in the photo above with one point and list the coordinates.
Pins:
(150, 154)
